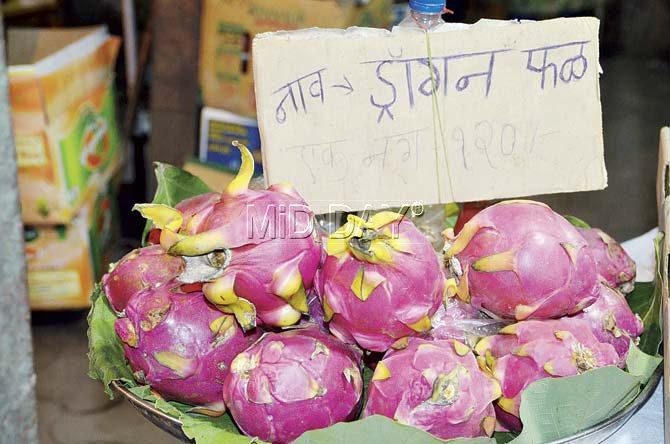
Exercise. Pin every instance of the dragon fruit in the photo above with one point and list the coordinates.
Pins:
(181, 345)
(520, 260)
(612, 321)
(380, 282)
(532, 350)
(613, 263)
(436, 386)
(254, 251)
(291, 382)
(140, 269)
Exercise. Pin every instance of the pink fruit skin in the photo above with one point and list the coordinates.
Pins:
(450, 319)
(405, 395)
(258, 216)
(195, 211)
(413, 289)
(613, 263)
(140, 269)
(254, 266)
(316, 314)
(164, 320)
(292, 382)
(543, 279)
(612, 321)
(526, 355)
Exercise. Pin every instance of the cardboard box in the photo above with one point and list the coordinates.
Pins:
(65, 261)
(218, 130)
(215, 178)
(228, 27)
(64, 118)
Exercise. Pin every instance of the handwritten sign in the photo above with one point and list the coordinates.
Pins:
(367, 118)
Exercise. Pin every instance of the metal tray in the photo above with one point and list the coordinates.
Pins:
(596, 434)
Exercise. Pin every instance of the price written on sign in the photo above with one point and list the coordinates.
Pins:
(370, 118)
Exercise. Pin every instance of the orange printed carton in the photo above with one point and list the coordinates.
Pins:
(65, 261)
(64, 118)
(228, 26)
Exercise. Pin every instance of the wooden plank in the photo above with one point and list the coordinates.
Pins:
(664, 225)
(18, 422)
(662, 177)
(174, 86)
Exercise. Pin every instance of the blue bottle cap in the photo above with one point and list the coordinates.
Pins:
(428, 6)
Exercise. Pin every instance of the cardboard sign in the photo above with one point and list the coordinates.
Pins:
(367, 118)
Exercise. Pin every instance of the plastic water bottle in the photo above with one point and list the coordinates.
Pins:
(424, 14)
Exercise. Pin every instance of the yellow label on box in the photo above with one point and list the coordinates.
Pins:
(30, 151)
(53, 286)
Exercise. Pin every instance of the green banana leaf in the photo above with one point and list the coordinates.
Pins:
(559, 407)
(645, 300)
(550, 408)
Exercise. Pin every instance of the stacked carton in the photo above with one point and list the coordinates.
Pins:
(68, 147)
(64, 261)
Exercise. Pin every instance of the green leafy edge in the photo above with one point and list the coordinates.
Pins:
(576, 403)
(645, 300)
(451, 213)
(107, 361)
(377, 428)
(641, 364)
(577, 222)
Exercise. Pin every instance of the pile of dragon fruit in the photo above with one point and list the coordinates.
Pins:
(240, 303)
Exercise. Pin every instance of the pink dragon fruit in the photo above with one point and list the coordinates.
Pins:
(436, 386)
(291, 382)
(612, 262)
(181, 346)
(520, 260)
(380, 282)
(531, 350)
(254, 251)
(140, 269)
(612, 321)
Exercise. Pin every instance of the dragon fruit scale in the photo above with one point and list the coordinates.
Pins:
(532, 350)
(436, 386)
(380, 282)
(291, 382)
(140, 269)
(254, 251)
(520, 260)
(181, 345)
(613, 263)
(612, 321)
